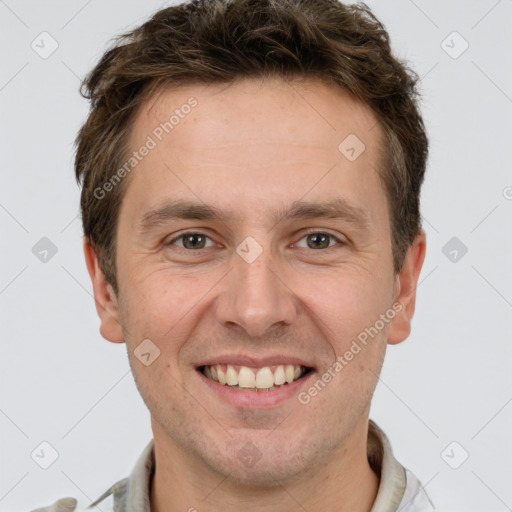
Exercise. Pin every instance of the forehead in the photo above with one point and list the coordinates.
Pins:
(248, 110)
(266, 139)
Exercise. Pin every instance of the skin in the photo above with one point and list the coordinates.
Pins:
(252, 148)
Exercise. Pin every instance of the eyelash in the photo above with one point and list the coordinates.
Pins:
(314, 232)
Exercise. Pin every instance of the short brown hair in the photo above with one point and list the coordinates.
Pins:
(222, 41)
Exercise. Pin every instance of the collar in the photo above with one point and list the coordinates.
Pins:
(389, 470)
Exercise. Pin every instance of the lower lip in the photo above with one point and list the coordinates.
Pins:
(256, 399)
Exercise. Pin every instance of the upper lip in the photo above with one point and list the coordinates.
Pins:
(255, 362)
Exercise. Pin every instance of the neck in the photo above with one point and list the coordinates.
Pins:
(344, 483)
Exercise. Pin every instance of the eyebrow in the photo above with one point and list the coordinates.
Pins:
(179, 209)
(337, 209)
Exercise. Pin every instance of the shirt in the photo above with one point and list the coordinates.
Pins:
(399, 490)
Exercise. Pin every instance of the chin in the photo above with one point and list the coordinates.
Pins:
(245, 465)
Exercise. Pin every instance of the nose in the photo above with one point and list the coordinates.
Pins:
(256, 297)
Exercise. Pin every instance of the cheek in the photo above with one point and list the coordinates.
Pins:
(164, 308)
(149, 309)
(344, 304)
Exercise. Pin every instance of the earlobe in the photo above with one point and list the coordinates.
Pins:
(405, 290)
(104, 297)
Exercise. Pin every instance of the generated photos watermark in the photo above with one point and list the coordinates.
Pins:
(152, 141)
(356, 347)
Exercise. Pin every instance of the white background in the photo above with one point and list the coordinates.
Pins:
(451, 381)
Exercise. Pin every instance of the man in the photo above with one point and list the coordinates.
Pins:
(251, 172)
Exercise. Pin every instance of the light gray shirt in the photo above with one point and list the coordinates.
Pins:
(399, 490)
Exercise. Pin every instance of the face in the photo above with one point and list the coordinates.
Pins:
(248, 237)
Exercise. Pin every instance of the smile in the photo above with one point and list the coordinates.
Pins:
(245, 378)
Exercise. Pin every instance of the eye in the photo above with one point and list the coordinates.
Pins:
(318, 240)
(192, 241)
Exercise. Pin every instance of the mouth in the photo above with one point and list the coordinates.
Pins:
(255, 379)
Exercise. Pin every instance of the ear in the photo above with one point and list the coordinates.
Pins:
(104, 297)
(405, 290)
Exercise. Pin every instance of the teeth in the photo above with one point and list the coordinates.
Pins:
(221, 375)
(247, 380)
(264, 378)
(279, 376)
(231, 376)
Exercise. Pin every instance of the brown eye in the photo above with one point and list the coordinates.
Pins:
(318, 241)
(192, 241)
